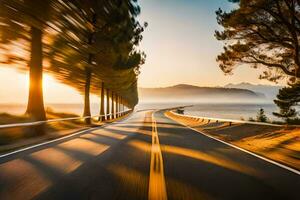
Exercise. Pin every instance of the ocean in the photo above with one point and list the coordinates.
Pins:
(232, 111)
(218, 110)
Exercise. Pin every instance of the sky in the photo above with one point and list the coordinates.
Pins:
(180, 47)
(180, 44)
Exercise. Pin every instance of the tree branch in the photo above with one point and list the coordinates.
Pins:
(272, 65)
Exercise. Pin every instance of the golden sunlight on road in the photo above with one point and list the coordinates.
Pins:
(109, 134)
(32, 172)
(57, 160)
(21, 177)
(213, 159)
(86, 146)
(144, 146)
(132, 181)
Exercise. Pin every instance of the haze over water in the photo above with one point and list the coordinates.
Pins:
(218, 110)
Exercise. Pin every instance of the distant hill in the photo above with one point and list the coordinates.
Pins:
(268, 90)
(190, 93)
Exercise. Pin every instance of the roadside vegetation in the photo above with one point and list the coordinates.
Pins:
(15, 134)
(288, 100)
(90, 45)
(6, 118)
(261, 116)
(16, 137)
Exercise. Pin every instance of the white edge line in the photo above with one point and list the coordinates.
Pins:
(246, 151)
(45, 143)
(54, 140)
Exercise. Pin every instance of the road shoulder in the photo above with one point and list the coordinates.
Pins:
(279, 144)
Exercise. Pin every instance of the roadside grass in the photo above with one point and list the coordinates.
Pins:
(16, 134)
(18, 137)
(6, 118)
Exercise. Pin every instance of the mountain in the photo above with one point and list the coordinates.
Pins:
(269, 91)
(191, 93)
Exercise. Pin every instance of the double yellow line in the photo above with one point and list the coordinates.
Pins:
(157, 184)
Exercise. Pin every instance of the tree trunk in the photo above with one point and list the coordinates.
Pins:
(112, 105)
(119, 103)
(35, 106)
(87, 109)
(102, 117)
(122, 106)
(88, 71)
(120, 114)
(117, 106)
(107, 105)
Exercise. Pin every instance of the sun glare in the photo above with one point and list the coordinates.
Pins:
(48, 82)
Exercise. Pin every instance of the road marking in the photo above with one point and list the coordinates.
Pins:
(246, 151)
(157, 185)
(59, 139)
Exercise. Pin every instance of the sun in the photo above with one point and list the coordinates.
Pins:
(48, 82)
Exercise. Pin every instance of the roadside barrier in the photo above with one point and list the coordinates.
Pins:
(230, 121)
(36, 123)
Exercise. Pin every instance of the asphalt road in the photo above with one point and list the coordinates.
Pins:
(142, 157)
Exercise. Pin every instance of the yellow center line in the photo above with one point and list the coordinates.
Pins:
(157, 185)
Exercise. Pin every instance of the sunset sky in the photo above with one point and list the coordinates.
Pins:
(180, 47)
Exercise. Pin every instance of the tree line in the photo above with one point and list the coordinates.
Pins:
(90, 45)
(265, 34)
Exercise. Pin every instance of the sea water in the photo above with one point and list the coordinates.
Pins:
(239, 111)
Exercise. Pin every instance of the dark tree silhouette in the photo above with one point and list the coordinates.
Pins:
(287, 99)
(261, 117)
(262, 33)
(83, 43)
(22, 27)
(102, 51)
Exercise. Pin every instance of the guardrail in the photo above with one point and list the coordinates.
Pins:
(231, 120)
(57, 120)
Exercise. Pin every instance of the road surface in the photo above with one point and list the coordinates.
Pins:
(146, 156)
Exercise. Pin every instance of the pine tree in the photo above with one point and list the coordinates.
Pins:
(102, 49)
(287, 99)
(261, 33)
(261, 116)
